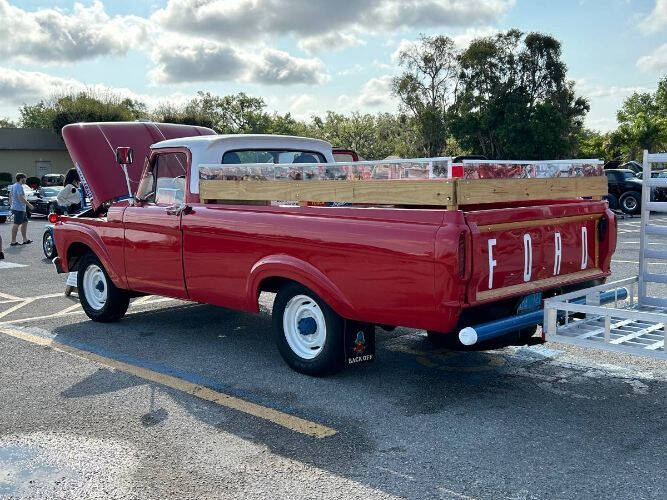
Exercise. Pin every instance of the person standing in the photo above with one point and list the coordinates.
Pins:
(19, 205)
(69, 198)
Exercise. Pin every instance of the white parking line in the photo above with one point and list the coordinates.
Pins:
(15, 308)
(10, 265)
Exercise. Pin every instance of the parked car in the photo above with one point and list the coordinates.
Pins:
(660, 193)
(625, 191)
(635, 166)
(53, 180)
(45, 202)
(4, 209)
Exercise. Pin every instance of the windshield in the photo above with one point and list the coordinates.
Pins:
(271, 156)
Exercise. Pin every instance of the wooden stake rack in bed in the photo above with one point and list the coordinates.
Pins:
(450, 193)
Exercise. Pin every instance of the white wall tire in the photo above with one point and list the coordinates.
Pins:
(100, 299)
(308, 333)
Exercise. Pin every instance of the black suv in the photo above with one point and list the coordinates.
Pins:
(625, 190)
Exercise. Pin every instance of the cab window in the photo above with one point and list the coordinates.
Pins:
(271, 156)
(164, 182)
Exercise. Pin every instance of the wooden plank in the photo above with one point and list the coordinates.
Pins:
(481, 191)
(508, 226)
(533, 286)
(450, 193)
(394, 192)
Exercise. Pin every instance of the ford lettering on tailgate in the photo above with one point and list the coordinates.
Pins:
(518, 257)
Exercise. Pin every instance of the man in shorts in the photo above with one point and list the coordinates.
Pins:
(18, 206)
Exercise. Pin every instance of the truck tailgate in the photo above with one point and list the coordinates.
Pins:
(521, 250)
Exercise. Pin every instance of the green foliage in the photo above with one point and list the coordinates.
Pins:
(426, 88)
(231, 114)
(372, 136)
(514, 100)
(643, 122)
(7, 123)
(85, 106)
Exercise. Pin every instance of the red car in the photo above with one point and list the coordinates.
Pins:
(337, 271)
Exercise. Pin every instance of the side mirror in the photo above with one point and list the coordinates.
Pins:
(124, 155)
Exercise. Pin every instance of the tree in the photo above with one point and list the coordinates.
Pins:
(87, 106)
(374, 137)
(513, 100)
(643, 122)
(7, 123)
(426, 88)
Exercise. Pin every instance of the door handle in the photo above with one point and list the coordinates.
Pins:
(178, 209)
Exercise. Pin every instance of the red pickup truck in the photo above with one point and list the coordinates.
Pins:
(338, 271)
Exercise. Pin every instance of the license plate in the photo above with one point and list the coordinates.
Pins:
(530, 303)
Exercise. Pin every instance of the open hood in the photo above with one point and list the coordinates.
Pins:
(92, 147)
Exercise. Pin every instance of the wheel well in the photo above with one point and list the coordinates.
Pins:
(74, 254)
(273, 284)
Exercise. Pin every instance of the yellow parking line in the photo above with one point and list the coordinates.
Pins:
(285, 420)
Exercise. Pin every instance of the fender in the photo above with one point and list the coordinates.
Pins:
(285, 266)
(70, 232)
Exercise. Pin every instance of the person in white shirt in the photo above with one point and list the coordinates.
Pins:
(69, 198)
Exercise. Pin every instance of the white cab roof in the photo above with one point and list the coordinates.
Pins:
(224, 143)
(208, 149)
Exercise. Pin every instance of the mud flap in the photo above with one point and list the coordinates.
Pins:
(359, 343)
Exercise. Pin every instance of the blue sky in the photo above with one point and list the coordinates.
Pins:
(305, 56)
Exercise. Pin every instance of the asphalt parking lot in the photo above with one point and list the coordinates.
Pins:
(180, 400)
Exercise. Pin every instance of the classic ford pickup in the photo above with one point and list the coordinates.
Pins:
(338, 269)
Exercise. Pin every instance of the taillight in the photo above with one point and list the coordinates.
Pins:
(53, 218)
(462, 254)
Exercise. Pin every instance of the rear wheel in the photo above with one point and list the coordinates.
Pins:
(308, 333)
(631, 202)
(101, 300)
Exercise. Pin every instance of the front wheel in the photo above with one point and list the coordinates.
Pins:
(101, 300)
(308, 333)
(48, 246)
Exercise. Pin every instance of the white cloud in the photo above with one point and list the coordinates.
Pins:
(186, 60)
(180, 61)
(376, 92)
(657, 19)
(402, 46)
(330, 41)
(462, 40)
(321, 23)
(54, 36)
(657, 61)
(593, 90)
(19, 87)
(275, 67)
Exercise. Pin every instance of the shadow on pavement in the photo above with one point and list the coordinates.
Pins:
(491, 422)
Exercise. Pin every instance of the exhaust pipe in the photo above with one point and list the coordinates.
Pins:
(471, 335)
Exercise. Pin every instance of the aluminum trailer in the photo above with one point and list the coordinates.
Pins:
(637, 325)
